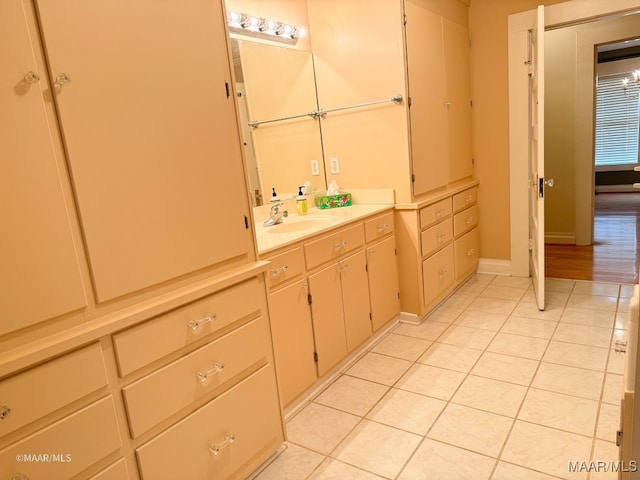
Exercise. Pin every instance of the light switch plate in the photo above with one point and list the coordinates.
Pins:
(315, 170)
(335, 165)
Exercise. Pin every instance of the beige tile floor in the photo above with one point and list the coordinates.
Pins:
(487, 387)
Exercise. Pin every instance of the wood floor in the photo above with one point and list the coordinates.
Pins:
(615, 254)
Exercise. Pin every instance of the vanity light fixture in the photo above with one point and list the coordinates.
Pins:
(264, 28)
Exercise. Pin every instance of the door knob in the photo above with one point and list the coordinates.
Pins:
(549, 182)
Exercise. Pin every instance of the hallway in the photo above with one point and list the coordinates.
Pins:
(615, 254)
(487, 387)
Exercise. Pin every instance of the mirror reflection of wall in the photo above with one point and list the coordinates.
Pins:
(279, 82)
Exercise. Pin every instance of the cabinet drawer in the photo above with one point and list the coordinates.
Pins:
(116, 471)
(435, 212)
(466, 253)
(180, 383)
(378, 227)
(465, 220)
(437, 273)
(67, 447)
(333, 246)
(465, 199)
(285, 266)
(434, 238)
(37, 392)
(200, 447)
(185, 325)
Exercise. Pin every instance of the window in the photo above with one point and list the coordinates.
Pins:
(617, 114)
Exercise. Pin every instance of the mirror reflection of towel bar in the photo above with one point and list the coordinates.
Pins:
(397, 99)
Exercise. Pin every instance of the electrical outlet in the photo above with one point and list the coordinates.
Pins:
(315, 170)
(335, 165)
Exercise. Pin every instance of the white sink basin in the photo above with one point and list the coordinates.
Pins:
(301, 224)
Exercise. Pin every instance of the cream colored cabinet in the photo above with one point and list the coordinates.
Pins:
(340, 310)
(291, 324)
(132, 299)
(327, 295)
(37, 251)
(154, 153)
(438, 67)
(382, 269)
(219, 440)
(438, 246)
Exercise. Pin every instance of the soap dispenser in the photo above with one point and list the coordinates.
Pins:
(301, 202)
(274, 196)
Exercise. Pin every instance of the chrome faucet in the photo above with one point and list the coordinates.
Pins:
(276, 215)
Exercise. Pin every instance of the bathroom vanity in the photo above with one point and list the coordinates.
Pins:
(333, 283)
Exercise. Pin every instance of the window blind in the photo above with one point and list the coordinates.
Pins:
(617, 125)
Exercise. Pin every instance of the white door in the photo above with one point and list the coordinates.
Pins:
(536, 156)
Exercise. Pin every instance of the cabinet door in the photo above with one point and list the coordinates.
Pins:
(427, 89)
(355, 299)
(37, 251)
(292, 333)
(328, 321)
(383, 282)
(144, 99)
(458, 78)
(437, 274)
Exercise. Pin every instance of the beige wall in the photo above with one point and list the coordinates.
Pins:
(490, 117)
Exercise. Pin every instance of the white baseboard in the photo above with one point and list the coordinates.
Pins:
(560, 238)
(615, 188)
(494, 266)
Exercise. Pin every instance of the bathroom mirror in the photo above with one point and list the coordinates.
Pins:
(276, 89)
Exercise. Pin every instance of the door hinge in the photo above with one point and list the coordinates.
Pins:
(398, 295)
(246, 222)
(409, 101)
(226, 87)
(413, 178)
(315, 357)
(530, 244)
(619, 438)
(404, 18)
(395, 251)
(309, 299)
(370, 316)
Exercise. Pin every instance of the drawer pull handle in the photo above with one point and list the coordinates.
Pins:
(441, 236)
(340, 245)
(4, 412)
(442, 273)
(381, 228)
(470, 220)
(217, 368)
(229, 438)
(470, 252)
(468, 198)
(278, 271)
(621, 346)
(20, 476)
(196, 324)
(342, 266)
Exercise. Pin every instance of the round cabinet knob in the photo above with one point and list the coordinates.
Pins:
(549, 182)
(63, 79)
(32, 77)
(4, 412)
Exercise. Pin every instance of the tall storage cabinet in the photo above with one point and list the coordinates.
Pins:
(134, 309)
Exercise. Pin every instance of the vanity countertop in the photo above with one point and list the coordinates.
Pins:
(296, 227)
